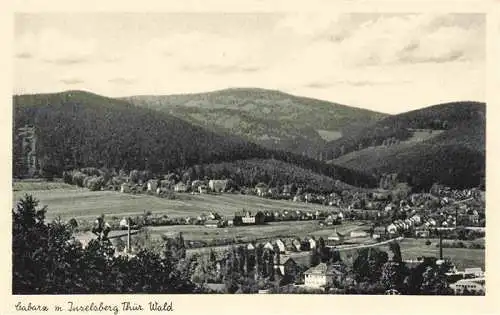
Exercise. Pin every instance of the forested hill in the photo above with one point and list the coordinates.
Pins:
(81, 129)
(273, 119)
(443, 143)
(274, 173)
(448, 116)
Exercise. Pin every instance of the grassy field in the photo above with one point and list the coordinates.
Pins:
(36, 185)
(255, 232)
(461, 257)
(81, 203)
(70, 202)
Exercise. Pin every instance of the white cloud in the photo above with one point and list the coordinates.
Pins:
(411, 38)
(53, 46)
(386, 39)
(353, 59)
(204, 51)
(309, 23)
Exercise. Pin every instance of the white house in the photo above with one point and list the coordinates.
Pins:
(248, 220)
(180, 187)
(261, 191)
(125, 188)
(312, 243)
(476, 285)
(296, 245)
(476, 272)
(268, 245)
(124, 223)
(392, 228)
(319, 276)
(218, 185)
(359, 234)
(152, 185)
(202, 189)
(281, 245)
(416, 219)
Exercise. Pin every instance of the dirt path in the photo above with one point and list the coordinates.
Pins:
(369, 245)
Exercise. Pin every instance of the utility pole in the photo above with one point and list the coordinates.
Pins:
(440, 245)
(128, 235)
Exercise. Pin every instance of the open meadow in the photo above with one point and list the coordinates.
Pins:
(462, 257)
(71, 202)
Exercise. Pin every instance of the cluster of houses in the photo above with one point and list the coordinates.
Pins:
(380, 200)
(443, 191)
(419, 226)
(470, 280)
(261, 217)
(197, 186)
(213, 219)
(289, 261)
(401, 226)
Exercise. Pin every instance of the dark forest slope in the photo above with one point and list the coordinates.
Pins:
(80, 129)
(453, 153)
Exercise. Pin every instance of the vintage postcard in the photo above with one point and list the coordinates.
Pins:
(162, 160)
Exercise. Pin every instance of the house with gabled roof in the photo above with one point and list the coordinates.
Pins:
(268, 245)
(296, 245)
(281, 246)
(287, 267)
(218, 185)
(322, 276)
(312, 243)
(261, 189)
(180, 187)
(125, 188)
(152, 184)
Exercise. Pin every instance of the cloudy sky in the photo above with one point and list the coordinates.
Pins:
(385, 62)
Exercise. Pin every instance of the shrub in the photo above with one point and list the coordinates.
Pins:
(95, 183)
(68, 177)
(90, 171)
(428, 243)
(78, 178)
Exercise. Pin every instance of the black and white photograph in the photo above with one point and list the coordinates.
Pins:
(318, 152)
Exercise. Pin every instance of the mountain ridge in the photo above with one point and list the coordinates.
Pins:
(79, 129)
(442, 143)
(272, 118)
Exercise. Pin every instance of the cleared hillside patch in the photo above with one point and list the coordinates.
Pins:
(329, 135)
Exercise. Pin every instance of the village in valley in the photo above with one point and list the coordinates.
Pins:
(313, 260)
(224, 153)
